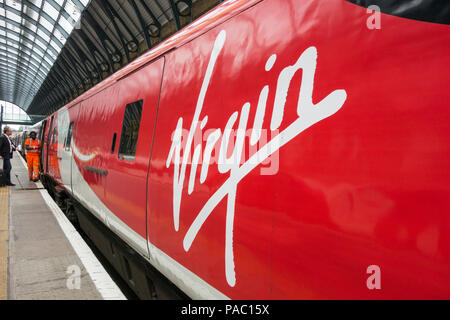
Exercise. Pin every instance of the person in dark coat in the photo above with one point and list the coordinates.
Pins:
(6, 153)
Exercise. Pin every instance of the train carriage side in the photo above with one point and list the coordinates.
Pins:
(347, 179)
(46, 141)
(281, 163)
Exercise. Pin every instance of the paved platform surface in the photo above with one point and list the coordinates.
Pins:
(3, 242)
(41, 254)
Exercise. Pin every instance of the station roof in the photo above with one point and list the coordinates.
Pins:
(52, 51)
(32, 34)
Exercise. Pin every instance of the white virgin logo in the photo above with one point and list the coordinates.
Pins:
(308, 115)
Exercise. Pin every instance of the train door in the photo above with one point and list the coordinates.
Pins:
(88, 148)
(130, 135)
(53, 157)
(66, 123)
(46, 145)
(42, 130)
(41, 138)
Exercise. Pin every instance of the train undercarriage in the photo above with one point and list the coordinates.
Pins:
(140, 277)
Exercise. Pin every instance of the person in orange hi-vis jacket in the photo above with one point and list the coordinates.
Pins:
(33, 148)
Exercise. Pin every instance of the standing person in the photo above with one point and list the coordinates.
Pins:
(6, 153)
(33, 147)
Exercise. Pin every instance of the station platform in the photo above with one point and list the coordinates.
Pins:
(42, 256)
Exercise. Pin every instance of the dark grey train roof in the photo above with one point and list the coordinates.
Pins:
(52, 51)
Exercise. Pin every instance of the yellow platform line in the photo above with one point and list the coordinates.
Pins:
(3, 243)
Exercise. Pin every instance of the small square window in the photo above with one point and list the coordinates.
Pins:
(130, 130)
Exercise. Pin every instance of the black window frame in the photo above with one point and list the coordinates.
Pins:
(68, 140)
(113, 143)
(50, 132)
(130, 115)
(42, 130)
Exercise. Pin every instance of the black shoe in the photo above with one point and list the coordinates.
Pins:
(11, 184)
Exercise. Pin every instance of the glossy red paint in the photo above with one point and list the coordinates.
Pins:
(46, 145)
(53, 158)
(368, 185)
(129, 204)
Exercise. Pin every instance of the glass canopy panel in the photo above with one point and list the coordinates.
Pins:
(11, 112)
(32, 34)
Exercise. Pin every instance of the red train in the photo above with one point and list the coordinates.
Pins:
(272, 150)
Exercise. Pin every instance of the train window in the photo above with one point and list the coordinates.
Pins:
(130, 130)
(50, 131)
(113, 145)
(69, 137)
(47, 141)
(54, 135)
(42, 131)
(39, 135)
